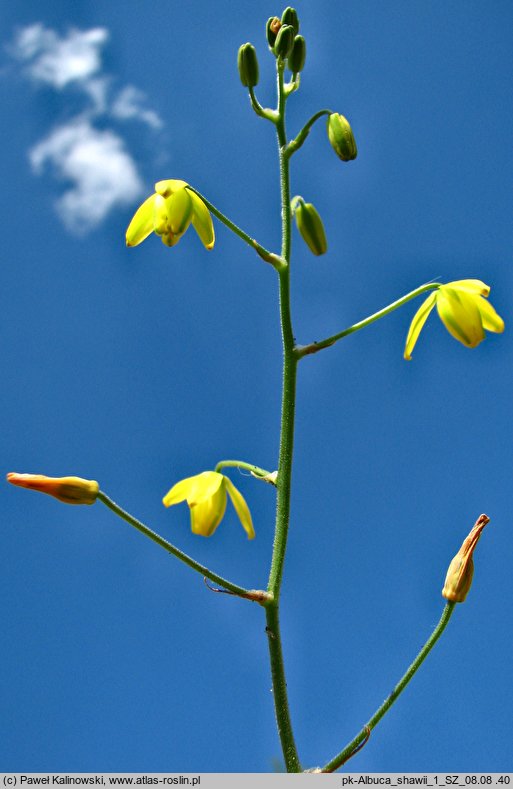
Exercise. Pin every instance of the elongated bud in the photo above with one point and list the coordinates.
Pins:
(247, 63)
(70, 490)
(271, 30)
(284, 41)
(461, 570)
(296, 59)
(289, 17)
(341, 137)
(310, 226)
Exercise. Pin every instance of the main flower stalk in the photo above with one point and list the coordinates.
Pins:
(285, 457)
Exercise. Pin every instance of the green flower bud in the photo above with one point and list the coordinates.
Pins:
(289, 17)
(271, 30)
(341, 137)
(247, 63)
(309, 224)
(296, 59)
(284, 41)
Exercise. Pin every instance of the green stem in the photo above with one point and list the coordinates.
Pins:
(305, 350)
(293, 85)
(218, 579)
(295, 144)
(285, 458)
(269, 115)
(255, 470)
(286, 441)
(264, 253)
(344, 755)
(281, 703)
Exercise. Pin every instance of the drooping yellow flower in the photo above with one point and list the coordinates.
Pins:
(168, 213)
(205, 494)
(462, 309)
(70, 490)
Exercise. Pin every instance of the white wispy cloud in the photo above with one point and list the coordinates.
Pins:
(129, 104)
(100, 170)
(57, 60)
(93, 161)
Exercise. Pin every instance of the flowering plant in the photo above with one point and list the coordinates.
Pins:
(462, 306)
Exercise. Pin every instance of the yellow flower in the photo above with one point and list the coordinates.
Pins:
(168, 213)
(70, 490)
(463, 311)
(205, 494)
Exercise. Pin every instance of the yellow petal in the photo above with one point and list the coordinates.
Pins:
(489, 318)
(160, 218)
(207, 514)
(241, 508)
(202, 221)
(179, 492)
(194, 489)
(168, 213)
(475, 286)
(460, 315)
(206, 485)
(179, 211)
(166, 188)
(417, 323)
(142, 223)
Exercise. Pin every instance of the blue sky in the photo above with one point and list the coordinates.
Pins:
(140, 367)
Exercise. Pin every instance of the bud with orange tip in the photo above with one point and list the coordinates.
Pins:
(70, 490)
(461, 570)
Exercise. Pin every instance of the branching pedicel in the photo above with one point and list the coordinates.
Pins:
(461, 305)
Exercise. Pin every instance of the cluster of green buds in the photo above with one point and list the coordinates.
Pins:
(284, 39)
(284, 42)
